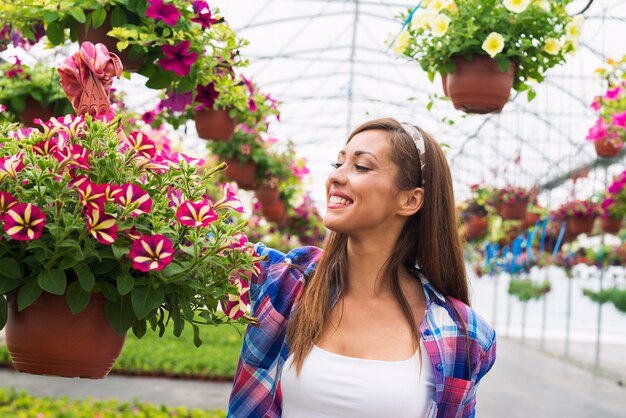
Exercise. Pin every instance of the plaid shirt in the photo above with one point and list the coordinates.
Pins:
(275, 292)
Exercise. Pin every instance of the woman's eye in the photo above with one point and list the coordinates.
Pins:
(357, 167)
(361, 168)
(335, 165)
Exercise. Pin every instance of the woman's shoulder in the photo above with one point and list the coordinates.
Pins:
(477, 327)
(302, 257)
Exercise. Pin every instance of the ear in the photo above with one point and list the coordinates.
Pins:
(410, 201)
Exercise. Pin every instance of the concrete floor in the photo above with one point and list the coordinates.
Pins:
(523, 383)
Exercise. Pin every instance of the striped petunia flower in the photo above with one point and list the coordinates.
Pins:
(91, 194)
(176, 197)
(72, 155)
(151, 252)
(6, 201)
(24, 222)
(196, 213)
(47, 147)
(111, 191)
(140, 142)
(236, 305)
(101, 226)
(11, 165)
(135, 198)
(230, 200)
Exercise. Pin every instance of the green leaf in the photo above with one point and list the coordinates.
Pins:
(10, 268)
(139, 328)
(160, 80)
(531, 94)
(28, 293)
(503, 62)
(179, 324)
(145, 299)
(4, 312)
(125, 283)
(53, 281)
(18, 103)
(119, 252)
(85, 276)
(173, 269)
(54, 32)
(197, 341)
(187, 312)
(97, 17)
(78, 14)
(110, 291)
(120, 314)
(50, 16)
(77, 298)
(118, 17)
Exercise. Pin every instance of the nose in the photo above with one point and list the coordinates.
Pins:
(337, 177)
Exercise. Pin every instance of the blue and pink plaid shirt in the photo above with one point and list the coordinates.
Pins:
(275, 293)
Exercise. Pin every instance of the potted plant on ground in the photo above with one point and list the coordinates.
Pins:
(30, 92)
(511, 202)
(579, 216)
(482, 48)
(103, 226)
(609, 131)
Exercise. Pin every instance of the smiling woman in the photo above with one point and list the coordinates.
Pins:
(387, 298)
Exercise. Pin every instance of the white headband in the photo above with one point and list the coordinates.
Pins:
(420, 144)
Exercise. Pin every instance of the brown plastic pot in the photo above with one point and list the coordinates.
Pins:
(242, 173)
(475, 227)
(512, 211)
(99, 35)
(530, 220)
(47, 339)
(215, 125)
(479, 85)
(611, 226)
(580, 225)
(275, 212)
(605, 148)
(34, 109)
(266, 195)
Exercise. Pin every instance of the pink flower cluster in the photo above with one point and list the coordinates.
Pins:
(582, 209)
(611, 122)
(614, 204)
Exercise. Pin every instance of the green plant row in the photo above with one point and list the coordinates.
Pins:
(614, 295)
(21, 404)
(526, 289)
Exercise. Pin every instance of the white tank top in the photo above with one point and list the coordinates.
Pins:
(332, 385)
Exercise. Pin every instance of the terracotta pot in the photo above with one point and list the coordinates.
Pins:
(512, 211)
(46, 338)
(475, 227)
(479, 85)
(33, 110)
(267, 195)
(444, 84)
(606, 149)
(530, 220)
(243, 173)
(99, 35)
(580, 225)
(275, 212)
(611, 226)
(216, 125)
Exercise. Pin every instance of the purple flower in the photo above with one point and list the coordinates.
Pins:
(204, 14)
(166, 12)
(179, 59)
(206, 95)
(177, 102)
(148, 117)
(620, 119)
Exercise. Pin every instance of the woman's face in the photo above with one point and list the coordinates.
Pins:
(361, 193)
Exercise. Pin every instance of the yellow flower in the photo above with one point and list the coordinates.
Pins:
(451, 7)
(439, 25)
(493, 44)
(543, 4)
(422, 19)
(572, 30)
(402, 41)
(516, 6)
(552, 46)
(610, 61)
(436, 5)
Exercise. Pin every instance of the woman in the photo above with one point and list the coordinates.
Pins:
(377, 325)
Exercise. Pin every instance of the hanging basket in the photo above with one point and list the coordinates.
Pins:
(34, 109)
(605, 148)
(475, 227)
(530, 220)
(611, 226)
(47, 339)
(513, 211)
(579, 226)
(215, 125)
(275, 212)
(242, 173)
(99, 35)
(267, 195)
(479, 85)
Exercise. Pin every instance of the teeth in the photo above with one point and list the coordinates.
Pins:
(339, 200)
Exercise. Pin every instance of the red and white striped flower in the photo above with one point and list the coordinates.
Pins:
(133, 197)
(140, 142)
(101, 226)
(196, 213)
(230, 200)
(111, 191)
(6, 201)
(236, 305)
(176, 197)
(72, 155)
(151, 252)
(24, 222)
(91, 194)
(47, 147)
(11, 165)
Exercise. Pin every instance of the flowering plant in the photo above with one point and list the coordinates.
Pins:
(305, 222)
(246, 145)
(20, 83)
(614, 202)
(582, 209)
(611, 106)
(511, 195)
(533, 35)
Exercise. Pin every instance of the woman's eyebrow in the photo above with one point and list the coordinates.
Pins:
(358, 153)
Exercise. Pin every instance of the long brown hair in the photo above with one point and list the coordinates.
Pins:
(429, 237)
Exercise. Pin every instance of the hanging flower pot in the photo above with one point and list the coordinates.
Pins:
(99, 35)
(530, 220)
(610, 225)
(267, 195)
(275, 212)
(513, 211)
(580, 225)
(213, 124)
(605, 148)
(475, 227)
(46, 338)
(34, 109)
(242, 173)
(479, 85)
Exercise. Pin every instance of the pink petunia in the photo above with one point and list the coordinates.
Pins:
(612, 94)
(140, 142)
(11, 165)
(178, 58)
(175, 196)
(7, 200)
(134, 198)
(23, 133)
(151, 252)
(236, 305)
(598, 131)
(206, 96)
(111, 191)
(195, 213)
(48, 147)
(619, 120)
(101, 226)
(230, 200)
(72, 155)
(24, 222)
(91, 195)
(2, 108)
(204, 17)
(166, 12)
